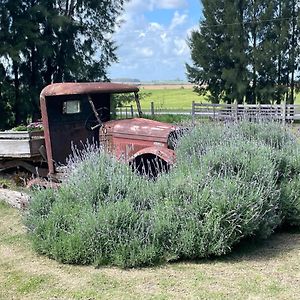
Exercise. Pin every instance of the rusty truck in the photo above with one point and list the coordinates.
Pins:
(77, 113)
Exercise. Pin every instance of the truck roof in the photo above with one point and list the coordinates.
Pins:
(79, 88)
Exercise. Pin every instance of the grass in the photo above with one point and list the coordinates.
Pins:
(177, 98)
(268, 270)
(297, 101)
(170, 98)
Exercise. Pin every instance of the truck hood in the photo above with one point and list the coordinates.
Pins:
(140, 127)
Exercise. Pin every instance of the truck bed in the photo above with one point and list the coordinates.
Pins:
(20, 144)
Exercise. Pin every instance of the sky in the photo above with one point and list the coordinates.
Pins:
(152, 39)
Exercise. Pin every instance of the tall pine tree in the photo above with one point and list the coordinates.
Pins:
(45, 41)
(246, 50)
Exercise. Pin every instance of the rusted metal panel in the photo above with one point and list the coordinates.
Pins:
(131, 136)
(140, 127)
(62, 132)
(167, 155)
(45, 121)
(76, 88)
(68, 130)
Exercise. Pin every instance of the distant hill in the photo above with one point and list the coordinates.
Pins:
(162, 82)
(152, 82)
(127, 80)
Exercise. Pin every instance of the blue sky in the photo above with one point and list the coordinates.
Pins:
(152, 39)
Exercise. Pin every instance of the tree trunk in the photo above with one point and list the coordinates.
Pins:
(16, 107)
(293, 62)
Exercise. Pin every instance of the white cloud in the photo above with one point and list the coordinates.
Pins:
(145, 51)
(164, 37)
(178, 19)
(136, 6)
(153, 26)
(142, 5)
(181, 47)
(170, 4)
(149, 49)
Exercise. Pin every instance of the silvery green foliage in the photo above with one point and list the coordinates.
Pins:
(230, 182)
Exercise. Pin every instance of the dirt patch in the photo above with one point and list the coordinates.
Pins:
(15, 199)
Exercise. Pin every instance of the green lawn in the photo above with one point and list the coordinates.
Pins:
(297, 99)
(177, 98)
(170, 98)
(265, 270)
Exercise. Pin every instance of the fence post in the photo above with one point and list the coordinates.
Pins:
(132, 112)
(283, 112)
(152, 109)
(236, 111)
(193, 112)
(214, 111)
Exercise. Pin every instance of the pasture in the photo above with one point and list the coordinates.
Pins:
(169, 98)
(264, 270)
(174, 97)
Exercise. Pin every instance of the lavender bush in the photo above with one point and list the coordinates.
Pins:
(230, 182)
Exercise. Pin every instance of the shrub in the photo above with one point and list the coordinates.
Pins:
(230, 182)
(290, 200)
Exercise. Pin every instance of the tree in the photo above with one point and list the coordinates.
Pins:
(246, 50)
(45, 41)
(218, 51)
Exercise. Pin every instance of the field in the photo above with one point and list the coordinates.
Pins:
(169, 98)
(173, 97)
(267, 270)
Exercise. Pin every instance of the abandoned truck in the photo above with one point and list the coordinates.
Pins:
(77, 113)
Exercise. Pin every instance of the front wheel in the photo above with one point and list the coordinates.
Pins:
(150, 166)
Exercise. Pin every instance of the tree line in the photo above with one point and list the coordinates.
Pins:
(45, 41)
(246, 50)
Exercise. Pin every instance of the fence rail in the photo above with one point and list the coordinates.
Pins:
(223, 112)
(130, 111)
(235, 112)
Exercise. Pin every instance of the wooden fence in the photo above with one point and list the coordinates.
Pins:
(126, 111)
(130, 111)
(235, 112)
(224, 112)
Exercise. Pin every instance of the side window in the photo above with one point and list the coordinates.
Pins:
(71, 107)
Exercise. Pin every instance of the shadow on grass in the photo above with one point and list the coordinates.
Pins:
(279, 243)
(283, 241)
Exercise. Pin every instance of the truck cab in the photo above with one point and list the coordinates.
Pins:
(74, 114)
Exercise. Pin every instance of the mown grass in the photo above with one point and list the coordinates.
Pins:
(177, 98)
(256, 270)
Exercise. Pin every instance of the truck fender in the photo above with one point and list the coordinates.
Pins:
(165, 154)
